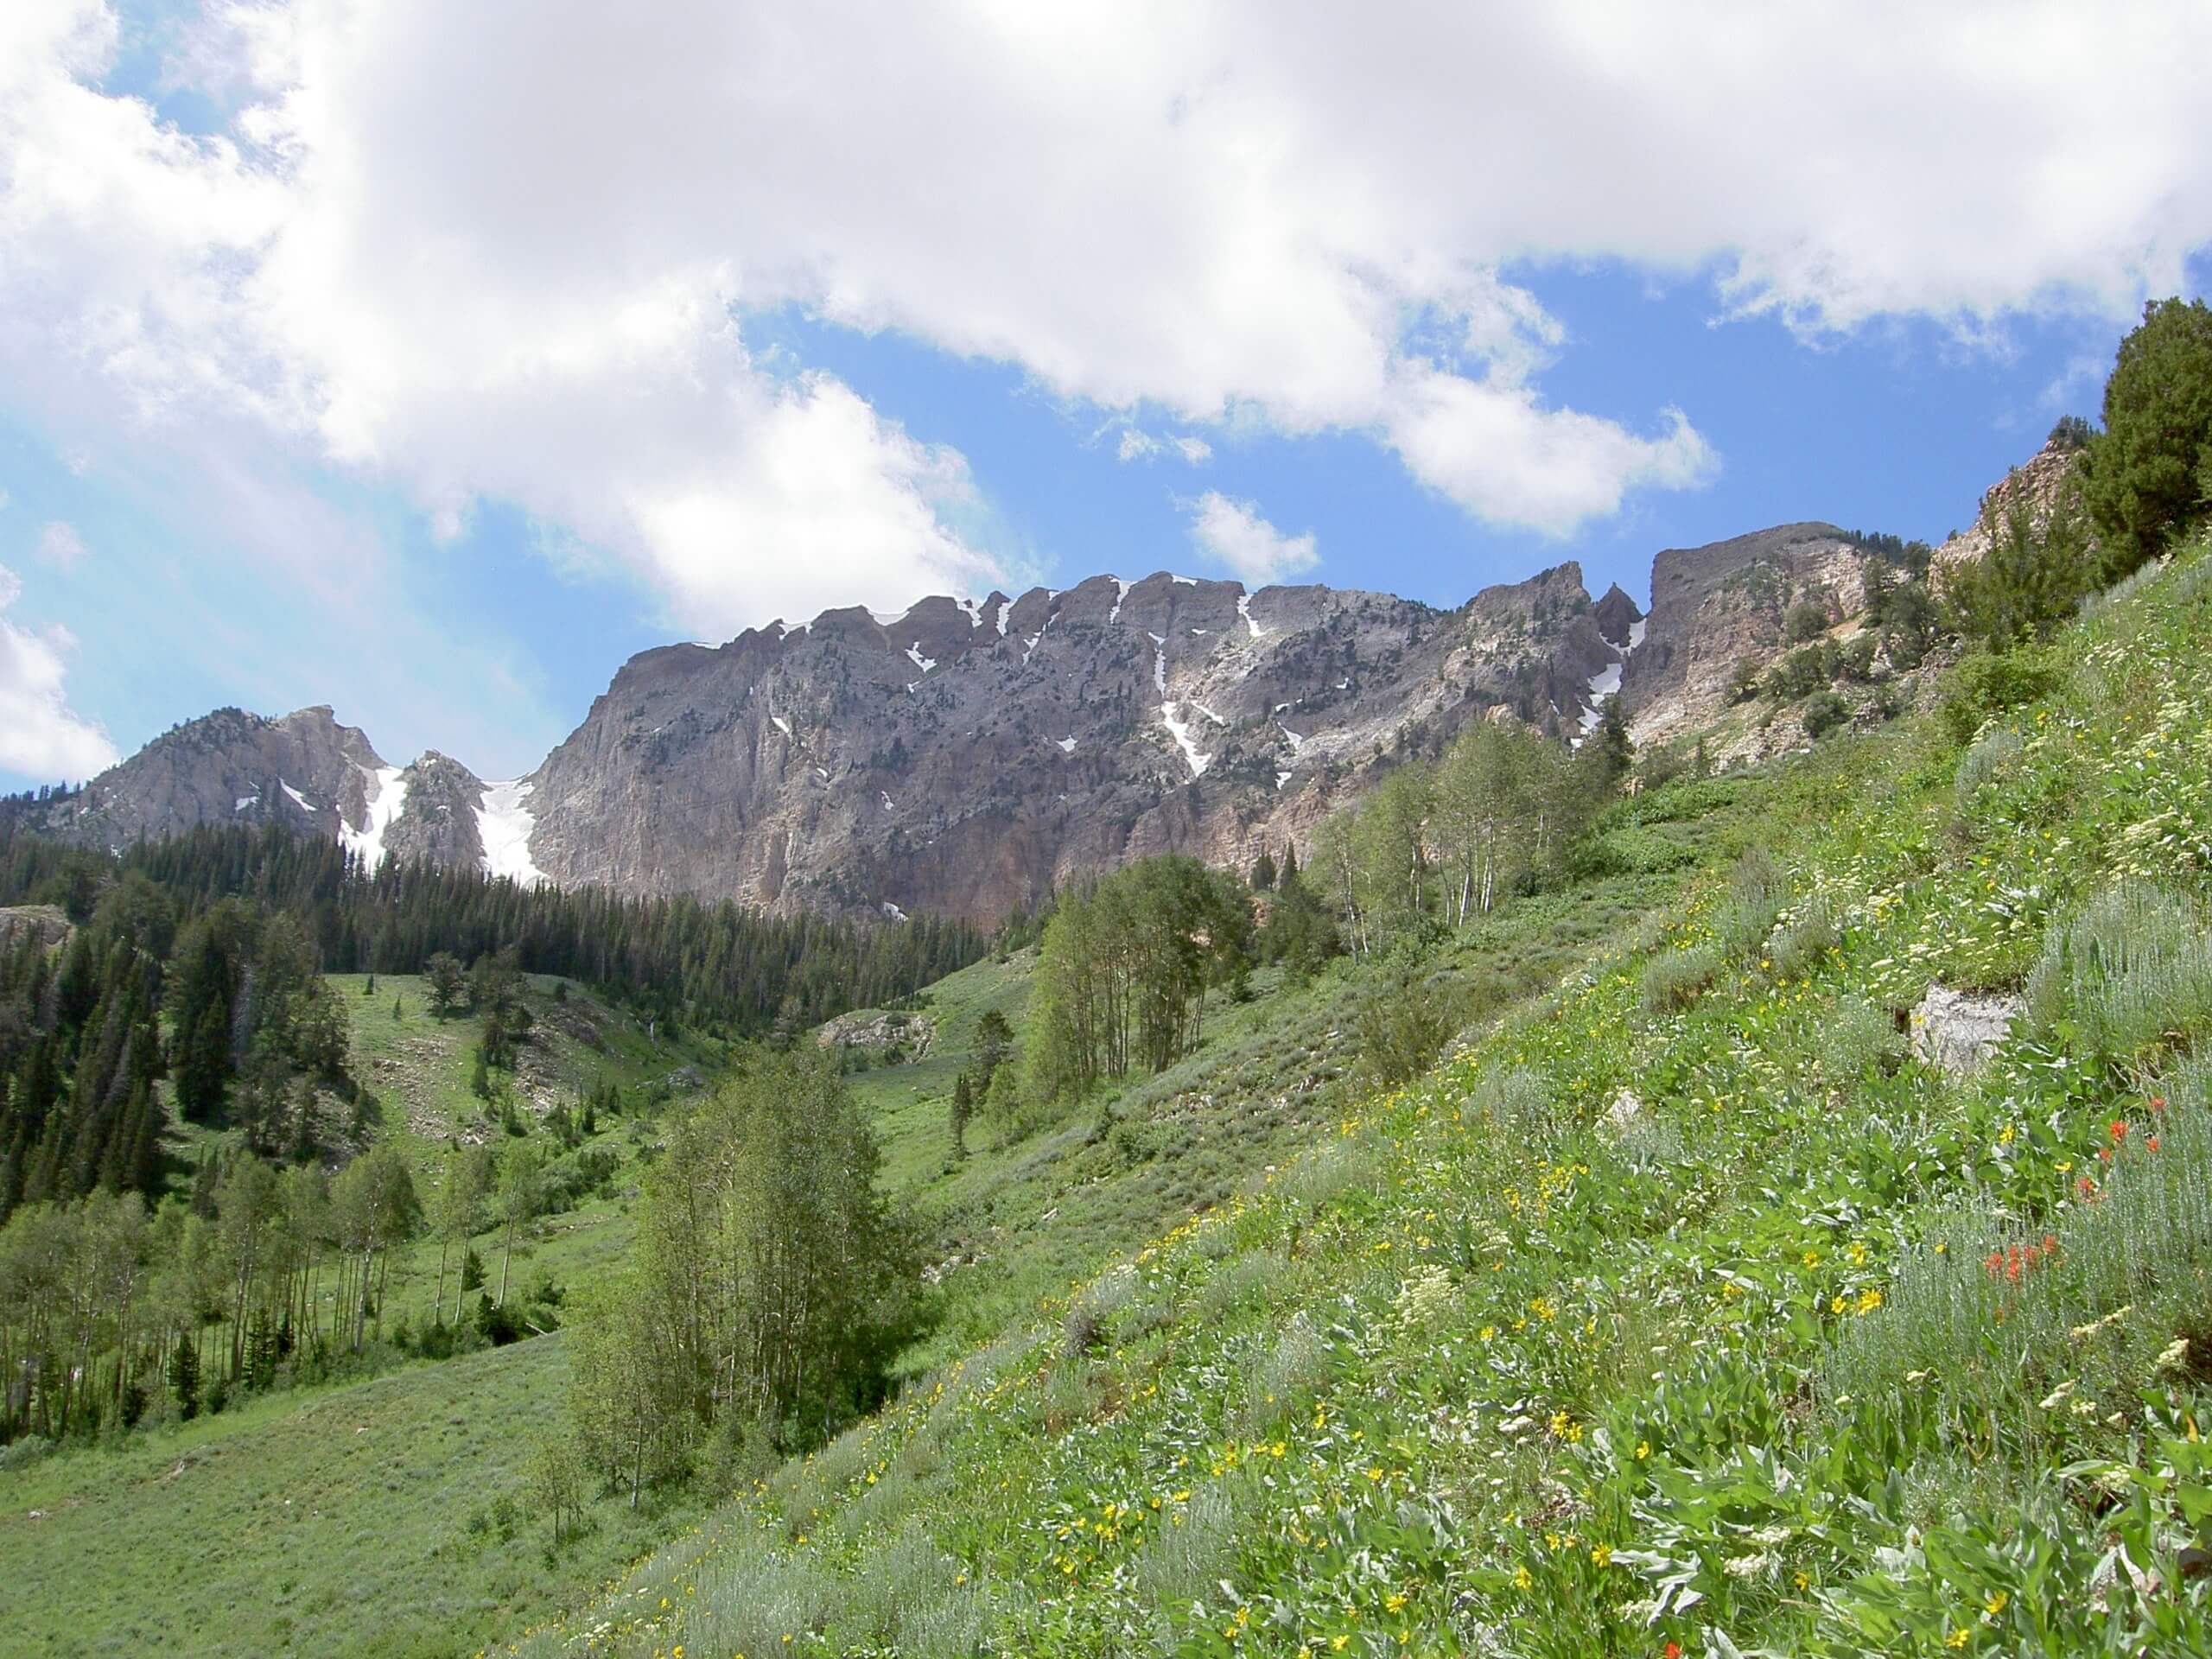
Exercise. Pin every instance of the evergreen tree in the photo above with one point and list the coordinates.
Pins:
(1263, 872)
(963, 1107)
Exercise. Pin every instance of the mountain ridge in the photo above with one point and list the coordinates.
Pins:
(968, 756)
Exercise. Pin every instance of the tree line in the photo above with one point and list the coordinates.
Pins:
(714, 966)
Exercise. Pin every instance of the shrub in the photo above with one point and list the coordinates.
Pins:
(1987, 684)
(2032, 578)
(1796, 947)
(1824, 712)
(1674, 980)
(1283, 1378)
(1853, 1040)
(1095, 1305)
(1185, 1554)
(1807, 620)
(1982, 766)
(2133, 969)
(1404, 1026)
(2144, 477)
(1756, 889)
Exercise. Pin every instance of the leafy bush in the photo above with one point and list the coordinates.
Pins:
(1404, 1026)
(1854, 1041)
(1987, 684)
(2146, 478)
(1824, 713)
(1807, 620)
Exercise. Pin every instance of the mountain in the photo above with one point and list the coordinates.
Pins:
(307, 774)
(968, 756)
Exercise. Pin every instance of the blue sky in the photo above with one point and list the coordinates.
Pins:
(431, 368)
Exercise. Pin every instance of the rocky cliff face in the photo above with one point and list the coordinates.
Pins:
(967, 757)
(1717, 606)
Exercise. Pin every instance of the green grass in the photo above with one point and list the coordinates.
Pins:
(336, 1522)
(1762, 1365)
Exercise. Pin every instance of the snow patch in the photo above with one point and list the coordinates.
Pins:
(1605, 682)
(1030, 650)
(1201, 632)
(823, 773)
(893, 911)
(1635, 631)
(1120, 592)
(1187, 582)
(1181, 731)
(1245, 610)
(386, 793)
(779, 723)
(1209, 713)
(914, 655)
(1296, 741)
(504, 825)
(886, 800)
(1067, 746)
(975, 609)
(1281, 777)
(1006, 608)
(913, 687)
(245, 801)
(298, 799)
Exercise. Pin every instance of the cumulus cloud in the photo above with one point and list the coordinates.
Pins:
(40, 737)
(1233, 532)
(445, 246)
(58, 544)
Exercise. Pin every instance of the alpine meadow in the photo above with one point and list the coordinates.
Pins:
(1465, 1080)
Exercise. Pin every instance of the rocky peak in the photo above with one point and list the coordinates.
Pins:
(1616, 615)
(1713, 606)
(2035, 484)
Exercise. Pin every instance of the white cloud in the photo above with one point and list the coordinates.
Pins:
(1137, 444)
(58, 544)
(39, 735)
(447, 246)
(1233, 532)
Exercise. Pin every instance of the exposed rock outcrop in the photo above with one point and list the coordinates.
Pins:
(1957, 1032)
(1717, 606)
(2036, 484)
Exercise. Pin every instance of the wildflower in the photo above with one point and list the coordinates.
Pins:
(2119, 1129)
(1996, 1603)
(2149, 1143)
(2173, 1356)
(1643, 1449)
(1869, 1299)
(1602, 1555)
(1958, 1639)
(1803, 1581)
(2157, 1103)
(1672, 1651)
(1520, 1579)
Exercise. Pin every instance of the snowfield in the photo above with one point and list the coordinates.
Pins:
(387, 794)
(504, 825)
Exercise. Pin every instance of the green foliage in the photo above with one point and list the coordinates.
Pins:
(1988, 684)
(1825, 712)
(2132, 973)
(2146, 477)
(1404, 1022)
(1674, 980)
(2032, 577)
(1805, 620)
(763, 1230)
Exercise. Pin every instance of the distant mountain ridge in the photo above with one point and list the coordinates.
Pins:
(968, 756)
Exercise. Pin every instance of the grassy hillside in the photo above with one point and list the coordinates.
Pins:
(382, 1517)
(376, 1519)
(1684, 1312)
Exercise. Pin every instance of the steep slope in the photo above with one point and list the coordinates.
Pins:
(1696, 1313)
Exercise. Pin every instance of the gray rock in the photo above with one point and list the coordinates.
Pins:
(1957, 1032)
(1622, 1114)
